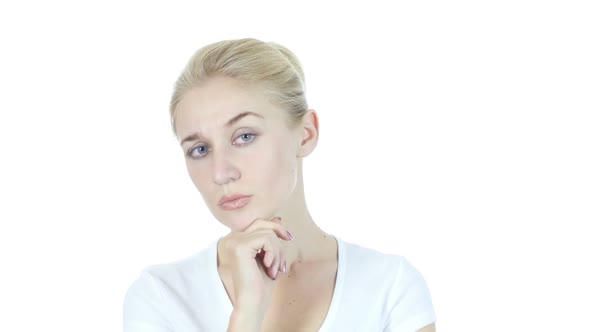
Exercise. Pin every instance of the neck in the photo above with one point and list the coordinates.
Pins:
(310, 243)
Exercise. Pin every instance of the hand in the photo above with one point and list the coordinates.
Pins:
(255, 257)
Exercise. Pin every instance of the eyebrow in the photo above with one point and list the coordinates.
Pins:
(229, 123)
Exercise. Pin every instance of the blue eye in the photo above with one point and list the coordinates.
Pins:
(247, 137)
(201, 151)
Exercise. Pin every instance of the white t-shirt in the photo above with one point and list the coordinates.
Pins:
(373, 292)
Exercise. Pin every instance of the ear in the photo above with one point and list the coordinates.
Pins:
(310, 129)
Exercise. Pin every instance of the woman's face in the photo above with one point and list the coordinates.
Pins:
(237, 142)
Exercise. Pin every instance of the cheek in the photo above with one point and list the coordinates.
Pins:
(202, 181)
(195, 175)
(280, 173)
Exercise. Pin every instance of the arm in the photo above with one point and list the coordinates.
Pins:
(409, 302)
(254, 256)
(240, 321)
(429, 328)
(142, 307)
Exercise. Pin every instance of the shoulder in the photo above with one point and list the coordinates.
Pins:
(156, 284)
(395, 282)
(394, 273)
(359, 257)
(374, 272)
(193, 265)
(184, 272)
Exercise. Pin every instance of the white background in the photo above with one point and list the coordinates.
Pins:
(455, 133)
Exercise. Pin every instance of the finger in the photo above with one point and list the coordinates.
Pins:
(256, 244)
(268, 262)
(275, 226)
(272, 257)
(271, 249)
(275, 268)
(269, 257)
(283, 264)
(286, 235)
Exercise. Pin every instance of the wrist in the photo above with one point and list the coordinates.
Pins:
(245, 320)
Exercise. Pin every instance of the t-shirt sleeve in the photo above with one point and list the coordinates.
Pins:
(143, 306)
(409, 302)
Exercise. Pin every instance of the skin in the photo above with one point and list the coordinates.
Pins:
(429, 328)
(259, 156)
(269, 167)
(266, 167)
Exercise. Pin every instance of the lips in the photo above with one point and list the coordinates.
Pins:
(234, 201)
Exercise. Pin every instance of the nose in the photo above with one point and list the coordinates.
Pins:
(224, 170)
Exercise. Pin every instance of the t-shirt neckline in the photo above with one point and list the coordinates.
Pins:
(334, 303)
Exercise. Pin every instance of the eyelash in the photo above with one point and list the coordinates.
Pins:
(190, 151)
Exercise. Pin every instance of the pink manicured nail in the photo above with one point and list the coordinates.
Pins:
(290, 236)
(284, 267)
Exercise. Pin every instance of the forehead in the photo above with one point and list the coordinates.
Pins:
(218, 100)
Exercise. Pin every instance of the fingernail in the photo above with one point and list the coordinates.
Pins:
(290, 236)
(284, 267)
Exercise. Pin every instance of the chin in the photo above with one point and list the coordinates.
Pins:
(239, 220)
(236, 220)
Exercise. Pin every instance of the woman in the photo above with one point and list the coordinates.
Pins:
(240, 114)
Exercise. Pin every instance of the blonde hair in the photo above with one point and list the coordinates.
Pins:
(270, 65)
